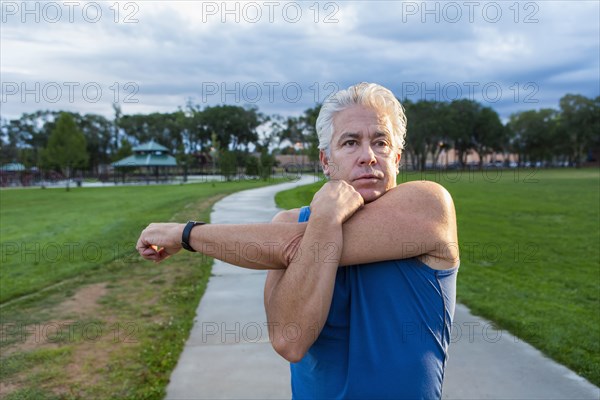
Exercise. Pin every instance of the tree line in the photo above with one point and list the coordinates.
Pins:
(564, 136)
(59, 140)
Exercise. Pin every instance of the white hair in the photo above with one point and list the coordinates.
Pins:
(365, 94)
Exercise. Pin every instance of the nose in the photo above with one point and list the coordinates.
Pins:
(367, 156)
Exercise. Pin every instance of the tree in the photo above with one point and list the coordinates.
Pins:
(233, 126)
(426, 130)
(116, 125)
(267, 162)
(66, 146)
(253, 166)
(300, 132)
(462, 123)
(195, 129)
(124, 150)
(271, 133)
(98, 132)
(535, 134)
(260, 166)
(488, 134)
(27, 136)
(228, 164)
(309, 127)
(10, 141)
(580, 124)
(291, 131)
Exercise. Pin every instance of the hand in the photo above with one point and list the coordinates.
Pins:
(336, 200)
(160, 240)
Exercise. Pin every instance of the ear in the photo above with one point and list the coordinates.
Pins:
(324, 162)
(398, 158)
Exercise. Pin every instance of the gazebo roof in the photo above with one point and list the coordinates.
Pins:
(150, 146)
(146, 160)
(13, 167)
(149, 154)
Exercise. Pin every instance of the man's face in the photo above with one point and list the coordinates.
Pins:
(362, 152)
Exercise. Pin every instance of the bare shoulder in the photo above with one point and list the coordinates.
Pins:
(417, 195)
(425, 189)
(426, 194)
(287, 216)
(428, 208)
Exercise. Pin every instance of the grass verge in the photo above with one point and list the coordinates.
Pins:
(113, 328)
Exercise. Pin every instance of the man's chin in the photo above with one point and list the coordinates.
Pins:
(370, 195)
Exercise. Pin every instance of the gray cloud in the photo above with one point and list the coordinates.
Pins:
(181, 50)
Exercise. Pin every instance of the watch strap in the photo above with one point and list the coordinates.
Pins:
(185, 236)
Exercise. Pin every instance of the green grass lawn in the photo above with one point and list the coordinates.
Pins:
(107, 324)
(530, 255)
(52, 235)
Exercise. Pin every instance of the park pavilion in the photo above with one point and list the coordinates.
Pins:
(150, 159)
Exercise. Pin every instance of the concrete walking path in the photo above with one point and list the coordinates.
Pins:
(228, 354)
(485, 363)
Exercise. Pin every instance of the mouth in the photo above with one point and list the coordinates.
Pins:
(367, 177)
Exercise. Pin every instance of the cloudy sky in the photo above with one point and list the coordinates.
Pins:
(285, 56)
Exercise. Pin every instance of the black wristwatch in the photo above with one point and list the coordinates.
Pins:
(185, 236)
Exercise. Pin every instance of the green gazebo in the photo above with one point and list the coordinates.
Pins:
(150, 158)
(12, 174)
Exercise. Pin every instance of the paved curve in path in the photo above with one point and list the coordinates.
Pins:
(228, 354)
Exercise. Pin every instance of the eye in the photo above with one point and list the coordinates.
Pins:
(350, 143)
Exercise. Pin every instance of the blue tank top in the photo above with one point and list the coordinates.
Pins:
(386, 335)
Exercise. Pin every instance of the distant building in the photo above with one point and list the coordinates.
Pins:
(295, 162)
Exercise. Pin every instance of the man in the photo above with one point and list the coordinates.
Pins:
(367, 278)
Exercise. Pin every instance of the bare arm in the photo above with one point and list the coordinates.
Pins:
(297, 299)
(413, 219)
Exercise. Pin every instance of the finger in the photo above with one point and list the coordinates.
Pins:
(139, 246)
(142, 244)
(148, 252)
(161, 256)
(162, 253)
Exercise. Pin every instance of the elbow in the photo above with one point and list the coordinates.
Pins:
(291, 351)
